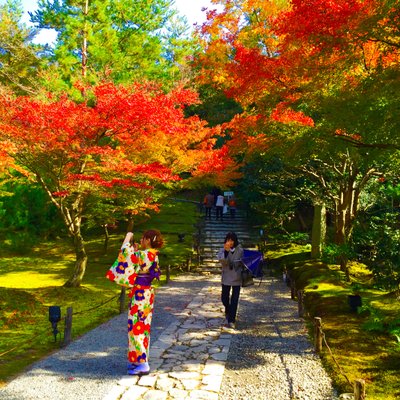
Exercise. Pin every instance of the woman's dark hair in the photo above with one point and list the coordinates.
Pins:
(156, 240)
(232, 236)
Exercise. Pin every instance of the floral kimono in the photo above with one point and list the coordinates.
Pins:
(137, 269)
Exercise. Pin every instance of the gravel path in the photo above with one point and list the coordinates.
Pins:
(271, 357)
(267, 357)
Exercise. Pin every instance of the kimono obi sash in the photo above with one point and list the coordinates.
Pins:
(144, 280)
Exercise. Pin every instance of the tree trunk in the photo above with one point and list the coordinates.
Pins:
(85, 42)
(73, 218)
(340, 225)
(346, 209)
(340, 236)
(129, 227)
(318, 230)
(302, 222)
(80, 264)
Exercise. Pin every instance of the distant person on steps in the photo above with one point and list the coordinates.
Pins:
(219, 207)
(209, 200)
(232, 206)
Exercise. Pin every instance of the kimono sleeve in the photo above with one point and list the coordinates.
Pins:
(124, 271)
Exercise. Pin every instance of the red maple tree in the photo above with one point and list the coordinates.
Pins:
(119, 146)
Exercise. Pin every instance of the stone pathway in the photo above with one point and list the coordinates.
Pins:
(188, 359)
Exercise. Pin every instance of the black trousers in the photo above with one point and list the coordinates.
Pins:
(218, 212)
(230, 301)
(208, 211)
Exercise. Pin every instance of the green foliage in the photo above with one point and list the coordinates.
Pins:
(378, 322)
(19, 61)
(215, 108)
(28, 209)
(377, 235)
(118, 40)
(276, 193)
(297, 237)
(176, 217)
(332, 252)
(23, 241)
(356, 340)
(368, 110)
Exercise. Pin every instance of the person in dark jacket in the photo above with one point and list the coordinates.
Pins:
(230, 257)
(208, 204)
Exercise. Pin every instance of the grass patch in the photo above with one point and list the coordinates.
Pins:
(364, 343)
(30, 283)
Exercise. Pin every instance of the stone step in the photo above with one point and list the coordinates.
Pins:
(220, 224)
(239, 212)
(210, 260)
(210, 268)
(210, 249)
(226, 218)
(218, 242)
(222, 234)
(210, 263)
(212, 236)
(237, 215)
(223, 227)
(223, 231)
(209, 256)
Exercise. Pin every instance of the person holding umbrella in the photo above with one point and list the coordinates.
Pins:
(230, 257)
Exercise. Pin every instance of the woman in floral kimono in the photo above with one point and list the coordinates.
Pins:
(136, 267)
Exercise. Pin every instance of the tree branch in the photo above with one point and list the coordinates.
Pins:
(357, 143)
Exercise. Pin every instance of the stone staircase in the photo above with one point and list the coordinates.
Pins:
(212, 235)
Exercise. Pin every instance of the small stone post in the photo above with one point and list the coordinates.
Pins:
(68, 327)
(359, 389)
(292, 288)
(318, 334)
(300, 295)
(188, 263)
